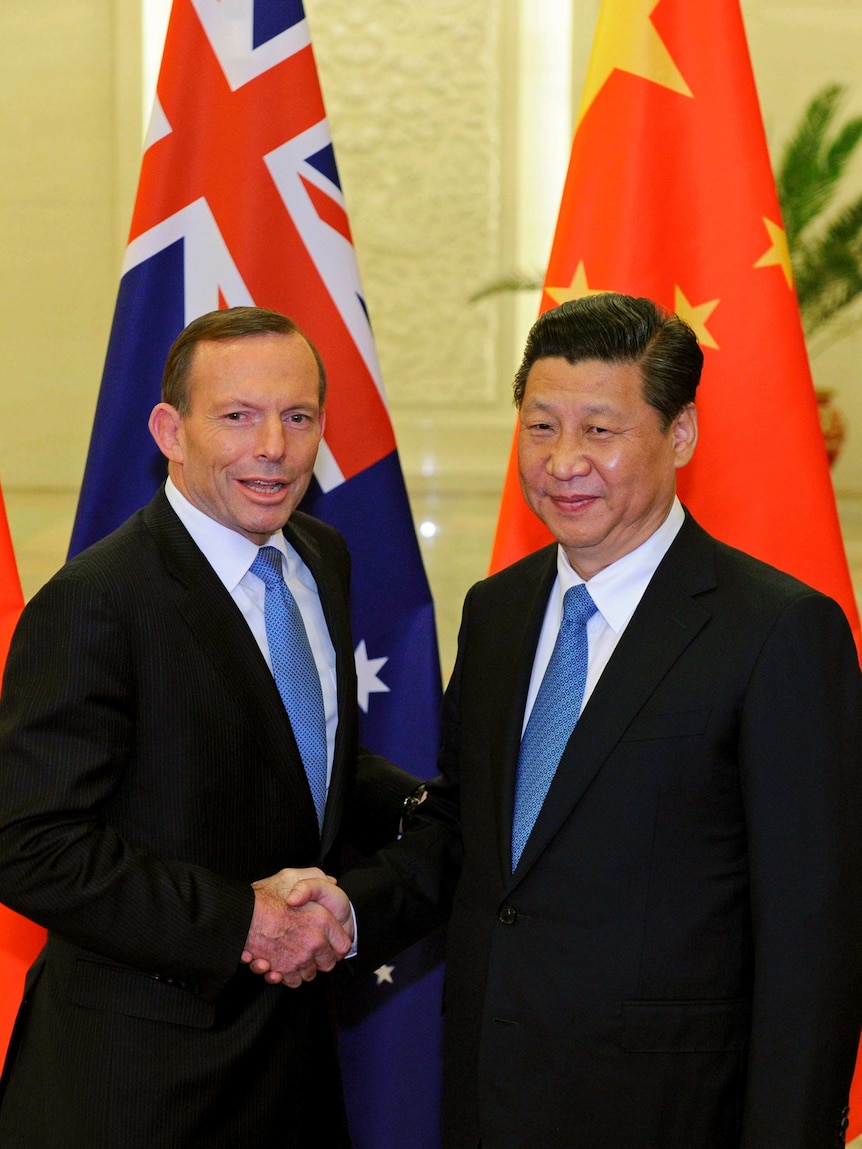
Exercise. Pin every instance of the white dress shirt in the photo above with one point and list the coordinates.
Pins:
(616, 591)
(230, 554)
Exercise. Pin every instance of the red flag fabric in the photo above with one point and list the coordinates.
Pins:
(670, 194)
(20, 940)
(11, 595)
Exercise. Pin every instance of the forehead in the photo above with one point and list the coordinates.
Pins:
(252, 362)
(592, 382)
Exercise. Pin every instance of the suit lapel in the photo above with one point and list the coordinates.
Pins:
(666, 621)
(511, 675)
(218, 625)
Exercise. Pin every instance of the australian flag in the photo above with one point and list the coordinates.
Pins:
(239, 202)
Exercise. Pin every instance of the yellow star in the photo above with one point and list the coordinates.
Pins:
(696, 316)
(577, 289)
(626, 39)
(778, 254)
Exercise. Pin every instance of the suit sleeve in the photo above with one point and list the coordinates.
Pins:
(801, 733)
(375, 808)
(67, 739)
(405, 891)
(376, 798)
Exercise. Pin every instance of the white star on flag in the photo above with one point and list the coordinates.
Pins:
(384, 974)
(367, 681)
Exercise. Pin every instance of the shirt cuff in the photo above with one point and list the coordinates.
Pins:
(351, 953)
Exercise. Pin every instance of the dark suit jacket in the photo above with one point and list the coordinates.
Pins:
(148, 774)
(676, 962)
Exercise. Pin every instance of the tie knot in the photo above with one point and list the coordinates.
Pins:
(578, 607)
(267, 566)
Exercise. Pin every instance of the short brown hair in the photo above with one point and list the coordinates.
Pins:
(232, 323)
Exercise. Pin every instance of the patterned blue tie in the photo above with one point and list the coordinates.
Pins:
(294, 671)
(553, 717)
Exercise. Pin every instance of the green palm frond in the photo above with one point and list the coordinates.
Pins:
(812, 163)
(828, 268)
(826, 250)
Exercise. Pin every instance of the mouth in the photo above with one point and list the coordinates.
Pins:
(263, 486)
(573, 502)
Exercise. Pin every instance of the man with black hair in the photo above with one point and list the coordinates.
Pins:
(648, 832)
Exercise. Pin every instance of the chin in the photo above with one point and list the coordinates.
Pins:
(262, 529)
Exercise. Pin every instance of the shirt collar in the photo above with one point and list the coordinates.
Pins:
(229, 553)
(618, 588)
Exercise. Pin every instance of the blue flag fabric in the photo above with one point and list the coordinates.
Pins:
(239, 202)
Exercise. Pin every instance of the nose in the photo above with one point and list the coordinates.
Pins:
(567, 459)
(270, 443)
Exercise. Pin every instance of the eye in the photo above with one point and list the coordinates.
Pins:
(598, 432)
(235, 416)
(298, 418)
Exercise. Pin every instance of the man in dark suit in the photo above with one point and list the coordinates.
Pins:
(669, 956)
(150, 780)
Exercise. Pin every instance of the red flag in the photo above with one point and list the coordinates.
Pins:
(20, 940)
(670, 194)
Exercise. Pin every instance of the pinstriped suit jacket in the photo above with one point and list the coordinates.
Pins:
(148, 774)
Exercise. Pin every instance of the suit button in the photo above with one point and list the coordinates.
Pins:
(508, 914)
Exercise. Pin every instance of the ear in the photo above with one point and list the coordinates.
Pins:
(684, 433)
(166, 428)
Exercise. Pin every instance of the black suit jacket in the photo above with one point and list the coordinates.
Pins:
(148, 774)
(676, 961)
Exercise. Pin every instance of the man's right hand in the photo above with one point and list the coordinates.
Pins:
(290, 943)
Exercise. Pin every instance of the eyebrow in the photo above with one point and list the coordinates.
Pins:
(230, 403)
(589, 409)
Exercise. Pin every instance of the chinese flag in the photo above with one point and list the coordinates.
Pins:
(670, 194)
(20, 940)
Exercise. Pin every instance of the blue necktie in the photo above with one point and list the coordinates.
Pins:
(294, 671)
(553, 717)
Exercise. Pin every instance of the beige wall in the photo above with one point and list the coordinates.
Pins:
(63, 148)
(431, 130)
(417, 112)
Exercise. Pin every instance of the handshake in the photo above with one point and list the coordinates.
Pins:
(302, 924)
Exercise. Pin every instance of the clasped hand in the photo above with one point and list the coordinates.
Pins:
(302, 924)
